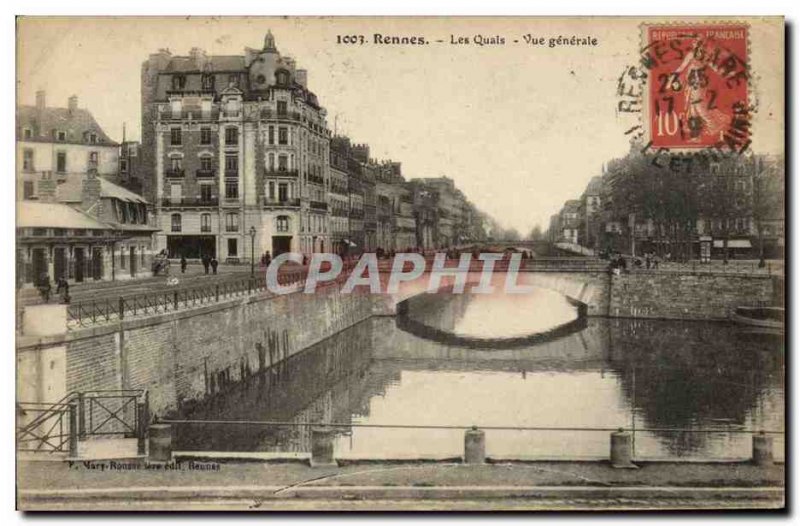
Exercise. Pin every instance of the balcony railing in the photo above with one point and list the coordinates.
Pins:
(288, 202)
(316, 179)
(192, 115)
(230, 173)
(318, 205)
(201, 174)
(277, 172)
(168, 202)
(175, 172)
(288, 116)
(357, 213)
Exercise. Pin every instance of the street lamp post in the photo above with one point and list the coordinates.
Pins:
(252, 251)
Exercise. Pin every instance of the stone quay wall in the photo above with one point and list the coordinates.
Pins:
(188, 355)
(687, 295)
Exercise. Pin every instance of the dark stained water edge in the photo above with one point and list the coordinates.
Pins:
(600, 373)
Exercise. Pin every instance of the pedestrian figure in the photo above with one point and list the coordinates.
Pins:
(183, 264)
(214, 264)
(62, 287)
(44, 286)
(206, 261)
(267, 258)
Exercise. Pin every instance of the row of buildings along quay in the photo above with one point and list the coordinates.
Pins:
(236, 160)
(683, 207)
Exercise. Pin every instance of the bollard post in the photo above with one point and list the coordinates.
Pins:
(322, 447)
(175, 299)
(474, 446)
(121, 308)
(81, 416)
(622, 450)
(73, 431)
(762, 450)
(160, 440)
(141, 431)
(217, 293)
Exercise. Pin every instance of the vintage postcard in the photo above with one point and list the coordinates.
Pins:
(376, 263)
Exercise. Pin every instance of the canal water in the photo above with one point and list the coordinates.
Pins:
(688, 388)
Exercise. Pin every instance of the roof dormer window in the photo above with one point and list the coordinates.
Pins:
(208, 81)
(27, 133)
(282, 77)
(61, 136)
(178, 82)
(93, 138)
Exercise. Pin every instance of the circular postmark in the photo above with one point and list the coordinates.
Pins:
(689, 93)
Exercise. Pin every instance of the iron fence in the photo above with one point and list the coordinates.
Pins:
(57, 427)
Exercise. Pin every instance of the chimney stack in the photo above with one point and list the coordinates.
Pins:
(72, 104)
(46, 188)
(301, 76)
(40, 100)
(90, 194)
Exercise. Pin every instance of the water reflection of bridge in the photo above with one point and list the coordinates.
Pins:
(673, 374)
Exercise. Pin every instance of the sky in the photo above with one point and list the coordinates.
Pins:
(519, 128)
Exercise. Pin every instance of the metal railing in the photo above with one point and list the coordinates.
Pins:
(81, 314)
(346, 428)
(57, 427)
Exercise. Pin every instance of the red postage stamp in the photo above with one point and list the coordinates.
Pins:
(697, 93)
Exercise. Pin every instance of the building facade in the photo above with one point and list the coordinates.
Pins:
(237, 152)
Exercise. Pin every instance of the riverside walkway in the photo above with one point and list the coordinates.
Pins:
(203, 484)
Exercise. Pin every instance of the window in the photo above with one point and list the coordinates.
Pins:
(282, 163)
(271, 192)
(93, 138)
(232, 165)
(208, 81)
(231, 222)
(281, 107)
(233, 248)
(261, 79)
(282, 77)
(123, 166)
(233, 80)
(176, 222)
(132, 151)
(205, 222)
(231, 136)
(61, 136)
(122, 250)
(206, 193)
(178, 82)
(271, 163)
(272, 134)
(231, 190)
(282, 224)
(176, 164)
(27, 133)
(27, 189)
(61, 162)
(283, 192)
(205, 135)
(206, 164)
(92, 159)
(27, 160)
(175, 137)
(283, 135)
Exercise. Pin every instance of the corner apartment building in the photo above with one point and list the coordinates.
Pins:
(237, 154)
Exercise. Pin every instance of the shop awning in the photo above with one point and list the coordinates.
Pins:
(733, 243)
